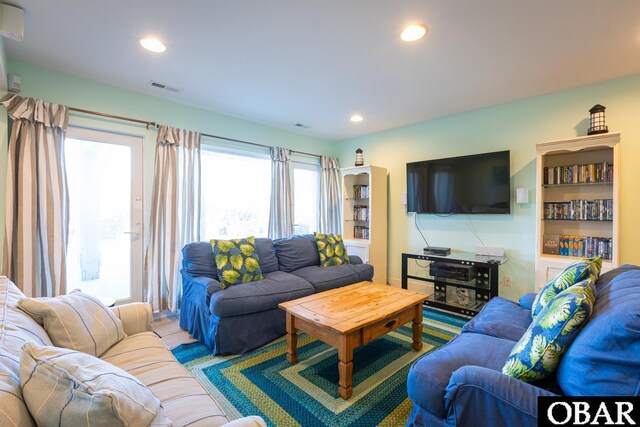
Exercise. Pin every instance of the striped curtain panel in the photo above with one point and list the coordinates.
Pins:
(330, 201)
(175, 214)
(36, 209)
(281, 210)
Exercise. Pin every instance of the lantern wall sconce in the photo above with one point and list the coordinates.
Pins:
(596, 120)
(359, 158)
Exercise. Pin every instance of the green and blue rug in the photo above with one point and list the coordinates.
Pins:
(306, 394)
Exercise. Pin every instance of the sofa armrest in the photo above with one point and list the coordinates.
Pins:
(526, 300)
(135, 317)
(355, 259)
(252, 421)
(199, 284)
(477, 393)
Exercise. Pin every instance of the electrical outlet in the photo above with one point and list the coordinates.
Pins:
(507, 281)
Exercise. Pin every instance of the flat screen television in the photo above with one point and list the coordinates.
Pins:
(476, 184)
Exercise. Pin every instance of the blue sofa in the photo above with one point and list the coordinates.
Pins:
(243, 317)
(461, 383)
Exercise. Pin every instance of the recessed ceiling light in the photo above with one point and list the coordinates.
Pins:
(414, 32)
(153, 44)
(356, 118)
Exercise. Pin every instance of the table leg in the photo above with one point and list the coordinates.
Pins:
(292, 339)
(345, 366)
(417, 328)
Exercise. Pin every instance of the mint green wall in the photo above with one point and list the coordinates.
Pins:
(517, 126)
(54, 86)
(78, 92)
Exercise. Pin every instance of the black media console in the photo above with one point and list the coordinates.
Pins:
(463, 282)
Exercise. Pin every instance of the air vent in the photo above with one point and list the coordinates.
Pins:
(302, 125)
(164, 86)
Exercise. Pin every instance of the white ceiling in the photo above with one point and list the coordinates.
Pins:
(281, 62)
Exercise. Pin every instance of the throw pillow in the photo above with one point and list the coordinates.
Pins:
(66, 387)
(76, 321)
(574, 273)
(537, 354)
(331, 249)
(237, 261)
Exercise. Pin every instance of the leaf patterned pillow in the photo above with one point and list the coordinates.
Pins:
(237, 261)
(537, 354)
(331, 249)
(574, 273)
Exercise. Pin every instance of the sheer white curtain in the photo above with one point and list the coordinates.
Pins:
(281, 209)
(175, 214)
(36, 209)
(330, 201)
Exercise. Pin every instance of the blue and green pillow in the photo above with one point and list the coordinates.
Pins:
(538, 353)
(574, 273)
(237, 261)
(331, 249)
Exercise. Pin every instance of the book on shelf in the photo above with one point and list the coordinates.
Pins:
(361, 213)
(360, 232)
(593, 210)
(588, 247)
(361, 191)
(551, 244)
(578, 174)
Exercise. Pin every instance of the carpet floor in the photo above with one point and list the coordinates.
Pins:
(263, 383)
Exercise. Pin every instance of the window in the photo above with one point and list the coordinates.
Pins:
(236, 189)
(306, 189)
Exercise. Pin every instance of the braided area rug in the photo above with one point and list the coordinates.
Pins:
(263, 383)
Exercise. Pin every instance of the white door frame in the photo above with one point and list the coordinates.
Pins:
(137, 233)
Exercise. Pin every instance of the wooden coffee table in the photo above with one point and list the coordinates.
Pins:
(352, 316)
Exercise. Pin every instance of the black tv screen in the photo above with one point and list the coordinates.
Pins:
(477, 184)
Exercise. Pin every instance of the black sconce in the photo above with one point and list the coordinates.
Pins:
(596, 120)
(359, 158)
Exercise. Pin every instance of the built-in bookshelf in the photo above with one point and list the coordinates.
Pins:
(577, 203)
(364, 216)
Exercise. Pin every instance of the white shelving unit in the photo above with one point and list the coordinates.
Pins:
(364, 216)
(570, 152)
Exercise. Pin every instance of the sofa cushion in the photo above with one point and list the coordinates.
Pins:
(500, 318)
(185, 401)
(16, 329)
(267, 255)
(331, 249)
(335, 276)
(259, 296)
(604, 360)
(76, 321)
(237, 261)
(81, 389)
(296, 252)
(571, 275)
(538, 353)
(429, 375)
(198, 260)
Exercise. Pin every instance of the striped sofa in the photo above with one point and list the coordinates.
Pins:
(142, 354)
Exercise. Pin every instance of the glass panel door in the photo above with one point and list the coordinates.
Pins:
(104, 254)
(306, 189)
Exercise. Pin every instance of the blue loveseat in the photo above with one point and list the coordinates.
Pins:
(461, 383)
(243, 317)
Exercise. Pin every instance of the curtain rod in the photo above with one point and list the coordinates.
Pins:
(156, 125)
